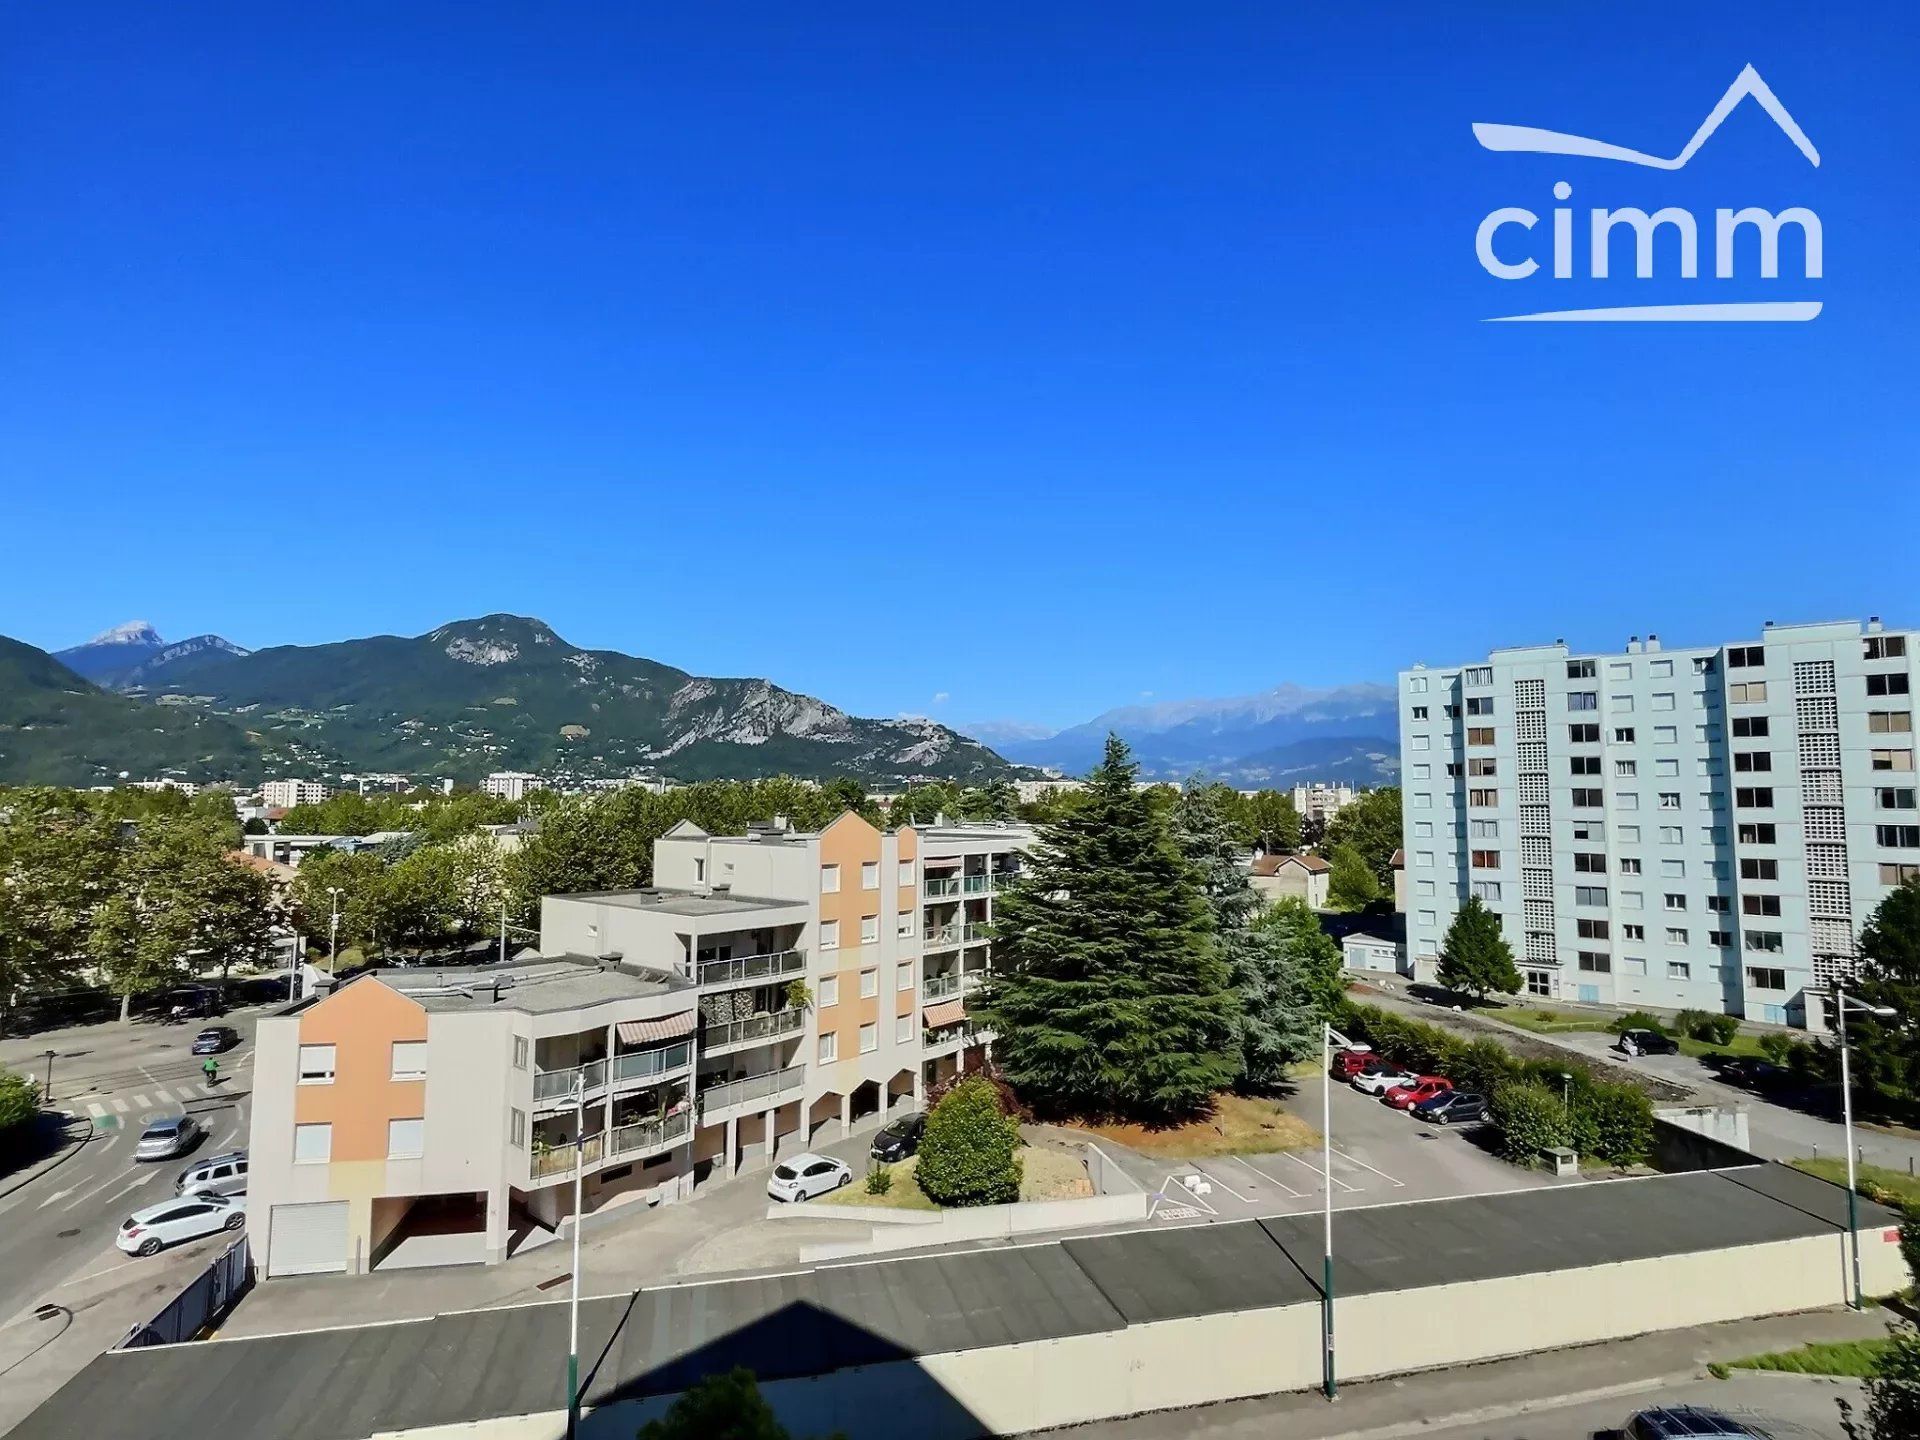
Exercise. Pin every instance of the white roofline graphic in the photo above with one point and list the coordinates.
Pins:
(1527, 138)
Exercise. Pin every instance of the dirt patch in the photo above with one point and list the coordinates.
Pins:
(1239, 1124)
(1052, 1175)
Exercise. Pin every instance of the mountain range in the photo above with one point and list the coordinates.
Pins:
(502, 692)
(1279, 737)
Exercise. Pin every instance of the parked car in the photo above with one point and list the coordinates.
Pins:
(166, 1138)
(186, 1217)
(1351, 1061)
(215, 1040)
(216, 1175)
(1753, 1074)
(1687, 1422)
(1452, 1107)
(1423, 1087)
(1647, 1042)
(899, 1138)
(1378, 1079)
(808, 1175)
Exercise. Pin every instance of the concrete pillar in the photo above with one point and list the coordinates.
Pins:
(499, 1234)
(733, 1143)
(920, 1087)
(770, 1133)
(846, 1114)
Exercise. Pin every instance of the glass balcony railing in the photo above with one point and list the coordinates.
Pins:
(651, 1134)
(978, 932)
(650, 1064)
(558, 1159)
(937, 1042)
(754, 1028)
(974, 884)
(939, 887)
(1002, 879)
(746, 969)
(943, 935)
(558, 1084)
(939, 987)
(715, 1098)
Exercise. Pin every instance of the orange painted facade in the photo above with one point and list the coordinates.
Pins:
(361, 1021)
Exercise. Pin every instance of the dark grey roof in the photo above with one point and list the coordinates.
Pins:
(345, 1384)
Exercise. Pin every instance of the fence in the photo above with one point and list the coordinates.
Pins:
(204, 1301)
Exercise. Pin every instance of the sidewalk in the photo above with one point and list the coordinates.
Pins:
(1472, 1394)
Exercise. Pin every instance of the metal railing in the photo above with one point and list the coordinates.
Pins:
(648, 1064)
(204, 1300)
(651, 1134)
(938, 887)
(1004, 878)
(948, 1038)
(978, 932)
(558, 1084)
(559, 1160)
(753, 1087)
(943, 935)
(938, 987)
(755, 1027)
(771, 966)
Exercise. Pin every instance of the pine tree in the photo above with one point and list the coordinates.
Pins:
(1108, 994)
(1887, 1052)
(1475, 956)
(1292, 985)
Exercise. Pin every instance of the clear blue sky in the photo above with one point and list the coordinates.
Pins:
(1030, 356)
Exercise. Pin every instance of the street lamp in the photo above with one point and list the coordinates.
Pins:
(1327, 1036)
(333, 927)
(46, 1091)
(1846, 1108)
(1566, 1087)
(573, 1306)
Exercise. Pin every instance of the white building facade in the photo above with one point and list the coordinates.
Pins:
(285, 794)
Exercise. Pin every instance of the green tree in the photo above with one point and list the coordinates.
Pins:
(1530, 1118)
(1371, 825)
(1475, 957)
(19, 1101)
(1893, 1394)
(59, 860)
(1351, 885)
(968, 1154)
(1274, 823)
(1289, 983)
(1109, 994)
(364, 899)
(1886, 1052)
(718, 1407)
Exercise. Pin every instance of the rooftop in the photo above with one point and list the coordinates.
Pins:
(685, 902)
(562, 982)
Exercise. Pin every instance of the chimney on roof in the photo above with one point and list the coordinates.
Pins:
(779, 824)
(1768, 625)
(1873, 624)
(611, 959)
(1633, 645)
(1653, 641)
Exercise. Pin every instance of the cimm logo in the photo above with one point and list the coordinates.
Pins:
(1508, 249)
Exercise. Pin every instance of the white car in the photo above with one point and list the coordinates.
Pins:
(1378, 1082)
(808, 1175)
(186, 1217)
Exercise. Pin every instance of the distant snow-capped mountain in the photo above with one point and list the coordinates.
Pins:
(132, 655)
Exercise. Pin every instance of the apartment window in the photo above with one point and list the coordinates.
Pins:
(1660, 668)
(1455, 770)
(1890, 760)
(1419, 712)
(406, 1139)
(1452, 712)
(1632, 900)
(1758, 869)
(869, 874)
(1897, 837)
(1750, 727)
(1679, 970)
(1423, 829)
(1748, 762)
(1673, 869)
(1423, 771)
(829, 879)
(1539, 982)
(1746, 657)
(1490, 829)
(1676, 902)
(1889, 798)
(1583, 700)
(1630, 834)
(905, 878)
(1765, 977)
(1590, 895)
(1626, 800)
(1620, 670)
(829, 934)
(519, 1052)
(1595, 962)
(903, 976)
(312, 1144)
(1671, 834)
(1428, 920)
(1703, 665)
(1669, 800)
(1723, 939)
(1766, 942)
(1416, 685)
(1593, 929)
(1483, 797)
(517, 1129)
(1747, 692)
(1717, 837)
(1884, 647)
(1479, 705)
(409, 1060)
(1633, 932)
(1758, 834)
(1629, 865)
(829, 991)
(1580, 670)
(1760, 904)
(1488, 890)
(1486, 860)
(1480, 735)
(1663, 700)
(1593, 830)
(1483, 767)
(1625, 769)
(869, 984)
(903, 924)
(1898, 873)
(1477, 675)
(1895, 684)
(903, 1030)
(1622, 704)
(1889, 722)
(869, 1039)
(1589, 862)
(316, 1064)
(1583, 734)
(1666, 735)
(1634, 965)
(1719, 904)
(1420, 742)
(1587, 799)
(869, 929)
(1754, 797)
(1423, 858)
(829, 1047)
(1676, 935)
(1423, 888)
(1584, 764)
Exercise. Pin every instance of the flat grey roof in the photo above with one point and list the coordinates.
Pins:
(476, 1365)
(684, 902)
(566, 982)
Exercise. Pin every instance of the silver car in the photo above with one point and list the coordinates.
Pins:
(216, 1175)
(168, 1137)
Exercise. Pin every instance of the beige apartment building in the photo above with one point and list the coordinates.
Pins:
(770, 988)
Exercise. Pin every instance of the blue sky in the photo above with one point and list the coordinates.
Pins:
(1029, 357)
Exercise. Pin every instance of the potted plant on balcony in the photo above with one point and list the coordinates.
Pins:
(799, 995)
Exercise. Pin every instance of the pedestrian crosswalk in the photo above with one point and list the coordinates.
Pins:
(153, 1098)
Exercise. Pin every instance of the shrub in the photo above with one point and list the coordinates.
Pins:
(1010, 1103)
(1530, 1118)
(967, 1155)
(1719, 1029)
(1613, 1121)
(879, 1178)
(1692, 1023)
(727, 1405)
(19, 1099)
(1777, 1047)
(1638, 1020)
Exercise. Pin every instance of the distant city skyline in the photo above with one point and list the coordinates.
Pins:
(1124, 352)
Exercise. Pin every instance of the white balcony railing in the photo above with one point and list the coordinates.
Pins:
(651, 1134)
(939, 935)
(754, 1029)
(715, 1098)
(651, 1064)
(748, 969)
(558, 1084)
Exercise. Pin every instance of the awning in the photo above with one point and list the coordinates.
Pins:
(644, 1032)
(947, 1012)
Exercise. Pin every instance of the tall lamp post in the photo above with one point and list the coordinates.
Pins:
(1846, 1110)
(1328, 1381)
(573, 1305)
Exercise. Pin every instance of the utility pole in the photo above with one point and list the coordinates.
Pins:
(1846, 1105)
(573, 1308)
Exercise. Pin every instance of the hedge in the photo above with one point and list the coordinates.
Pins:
(1611, 1119)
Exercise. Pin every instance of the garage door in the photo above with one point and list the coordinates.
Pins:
(308, 1239)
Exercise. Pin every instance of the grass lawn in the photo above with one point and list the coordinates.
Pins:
(1239, 1124)
(1548, 1022)
(1894, 1182)
(1743, 1044)
(1044, 1175)
(1858, 1358)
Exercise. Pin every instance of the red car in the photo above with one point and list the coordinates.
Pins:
(1349, 1063)
(1405, 1097)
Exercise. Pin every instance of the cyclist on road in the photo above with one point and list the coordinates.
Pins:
(212, 1069)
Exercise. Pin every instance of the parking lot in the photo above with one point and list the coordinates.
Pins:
(1380, 1156)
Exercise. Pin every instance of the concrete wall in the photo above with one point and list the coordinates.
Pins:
(953, 1227)
(1702, 1137)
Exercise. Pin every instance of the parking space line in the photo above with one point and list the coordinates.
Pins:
(1221, 1180)
(1350, 1189)
(1269, 1176)
(1364, 1166)
(1182, 1194)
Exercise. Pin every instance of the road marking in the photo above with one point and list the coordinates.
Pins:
(140, 1102)
(163, 1097)
(119, 1105)
(96, 1110)
(1364, 1166)
(1177, 1212)
(1219, 1179)
(1270, 1177)
(88, 1194)
(1350, 1189)
(57, 1195)
(1187, 1197)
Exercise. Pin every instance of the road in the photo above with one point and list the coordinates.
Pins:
(113, 1079)
(1782, 1407)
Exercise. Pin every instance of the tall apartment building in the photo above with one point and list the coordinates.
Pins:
(1702, 827)
(770, 987)
(1321, 802)
(285, 794)
(511, 784)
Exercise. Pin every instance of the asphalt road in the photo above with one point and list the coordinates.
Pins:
(1783, 1408)
(61, 1224)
